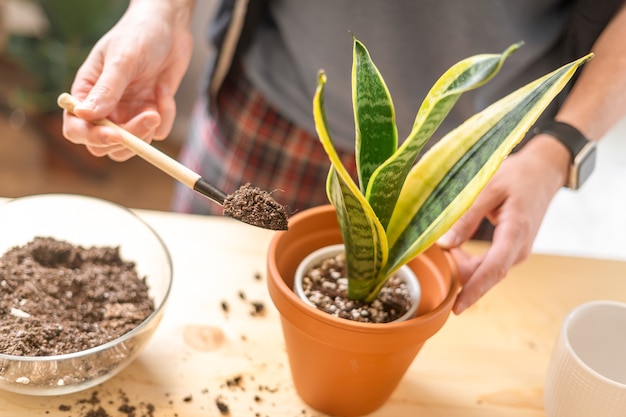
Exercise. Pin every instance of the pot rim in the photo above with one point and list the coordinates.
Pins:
(294, 301)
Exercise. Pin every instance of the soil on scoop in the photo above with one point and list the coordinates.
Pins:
(58, 298)
(326, 286)
(255, 206)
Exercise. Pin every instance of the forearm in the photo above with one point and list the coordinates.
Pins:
(595, 104)
(175, 12)
(598, 99)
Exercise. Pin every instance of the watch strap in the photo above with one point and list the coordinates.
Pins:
(565, 133)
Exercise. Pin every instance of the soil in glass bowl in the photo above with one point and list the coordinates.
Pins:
(58, 298)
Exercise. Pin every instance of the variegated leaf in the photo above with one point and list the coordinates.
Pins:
(376, 136)
(446, 181)
(361, 237)
(385, 184)
(364, 236)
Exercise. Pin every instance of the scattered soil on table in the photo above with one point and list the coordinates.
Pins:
(255, 206)
(93, 406)
(257, 308)
(58, 298)
(222, 406)
(326, 286)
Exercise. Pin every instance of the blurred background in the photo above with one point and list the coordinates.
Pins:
(42, 43)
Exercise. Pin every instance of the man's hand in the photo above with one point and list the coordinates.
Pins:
(515, 202)
(131, 76)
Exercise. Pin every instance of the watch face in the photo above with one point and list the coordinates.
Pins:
(584, 165)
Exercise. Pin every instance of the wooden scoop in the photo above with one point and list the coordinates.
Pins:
(249, 204)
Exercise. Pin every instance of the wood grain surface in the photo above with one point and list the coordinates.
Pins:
(219, 348)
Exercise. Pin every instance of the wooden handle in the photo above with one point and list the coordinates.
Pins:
(147, 152)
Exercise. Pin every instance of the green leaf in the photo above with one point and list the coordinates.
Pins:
(364, 240)
(446, 181)
(376, 136)
(385, 184)
(363, 235)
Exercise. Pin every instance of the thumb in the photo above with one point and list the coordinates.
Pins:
(104, 95)
(462, 230)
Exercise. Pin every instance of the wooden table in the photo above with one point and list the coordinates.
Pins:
(214, 348)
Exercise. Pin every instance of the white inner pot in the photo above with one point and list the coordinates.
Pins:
(317, 256)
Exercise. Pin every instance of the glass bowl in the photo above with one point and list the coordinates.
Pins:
(84, 221)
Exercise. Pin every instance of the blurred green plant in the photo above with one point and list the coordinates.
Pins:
(53, 58)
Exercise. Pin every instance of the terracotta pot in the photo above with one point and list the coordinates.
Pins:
(341, 367)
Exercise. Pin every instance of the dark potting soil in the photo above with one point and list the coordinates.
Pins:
(256, 207)
(58, 298)
(326, 286)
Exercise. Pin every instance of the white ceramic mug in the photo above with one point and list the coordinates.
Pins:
(586, 376)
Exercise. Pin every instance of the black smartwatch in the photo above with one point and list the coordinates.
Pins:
(582, 150)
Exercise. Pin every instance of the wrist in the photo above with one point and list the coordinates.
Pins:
(554, 156)
(582, 151)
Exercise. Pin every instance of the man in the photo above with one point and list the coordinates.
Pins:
(253, 121)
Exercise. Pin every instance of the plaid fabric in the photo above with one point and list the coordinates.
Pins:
(249, 141)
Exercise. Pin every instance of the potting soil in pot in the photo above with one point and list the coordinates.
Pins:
(326, 286)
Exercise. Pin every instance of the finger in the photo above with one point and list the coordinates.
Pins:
(506, 249)
(167, 109)
(109, 150)
(143, 125)
(121, 155)
(81, 132)
(106, 92)
(466, 263)
(74, 129)
(463, 229)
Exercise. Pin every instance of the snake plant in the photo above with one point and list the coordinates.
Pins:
(402, 205)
